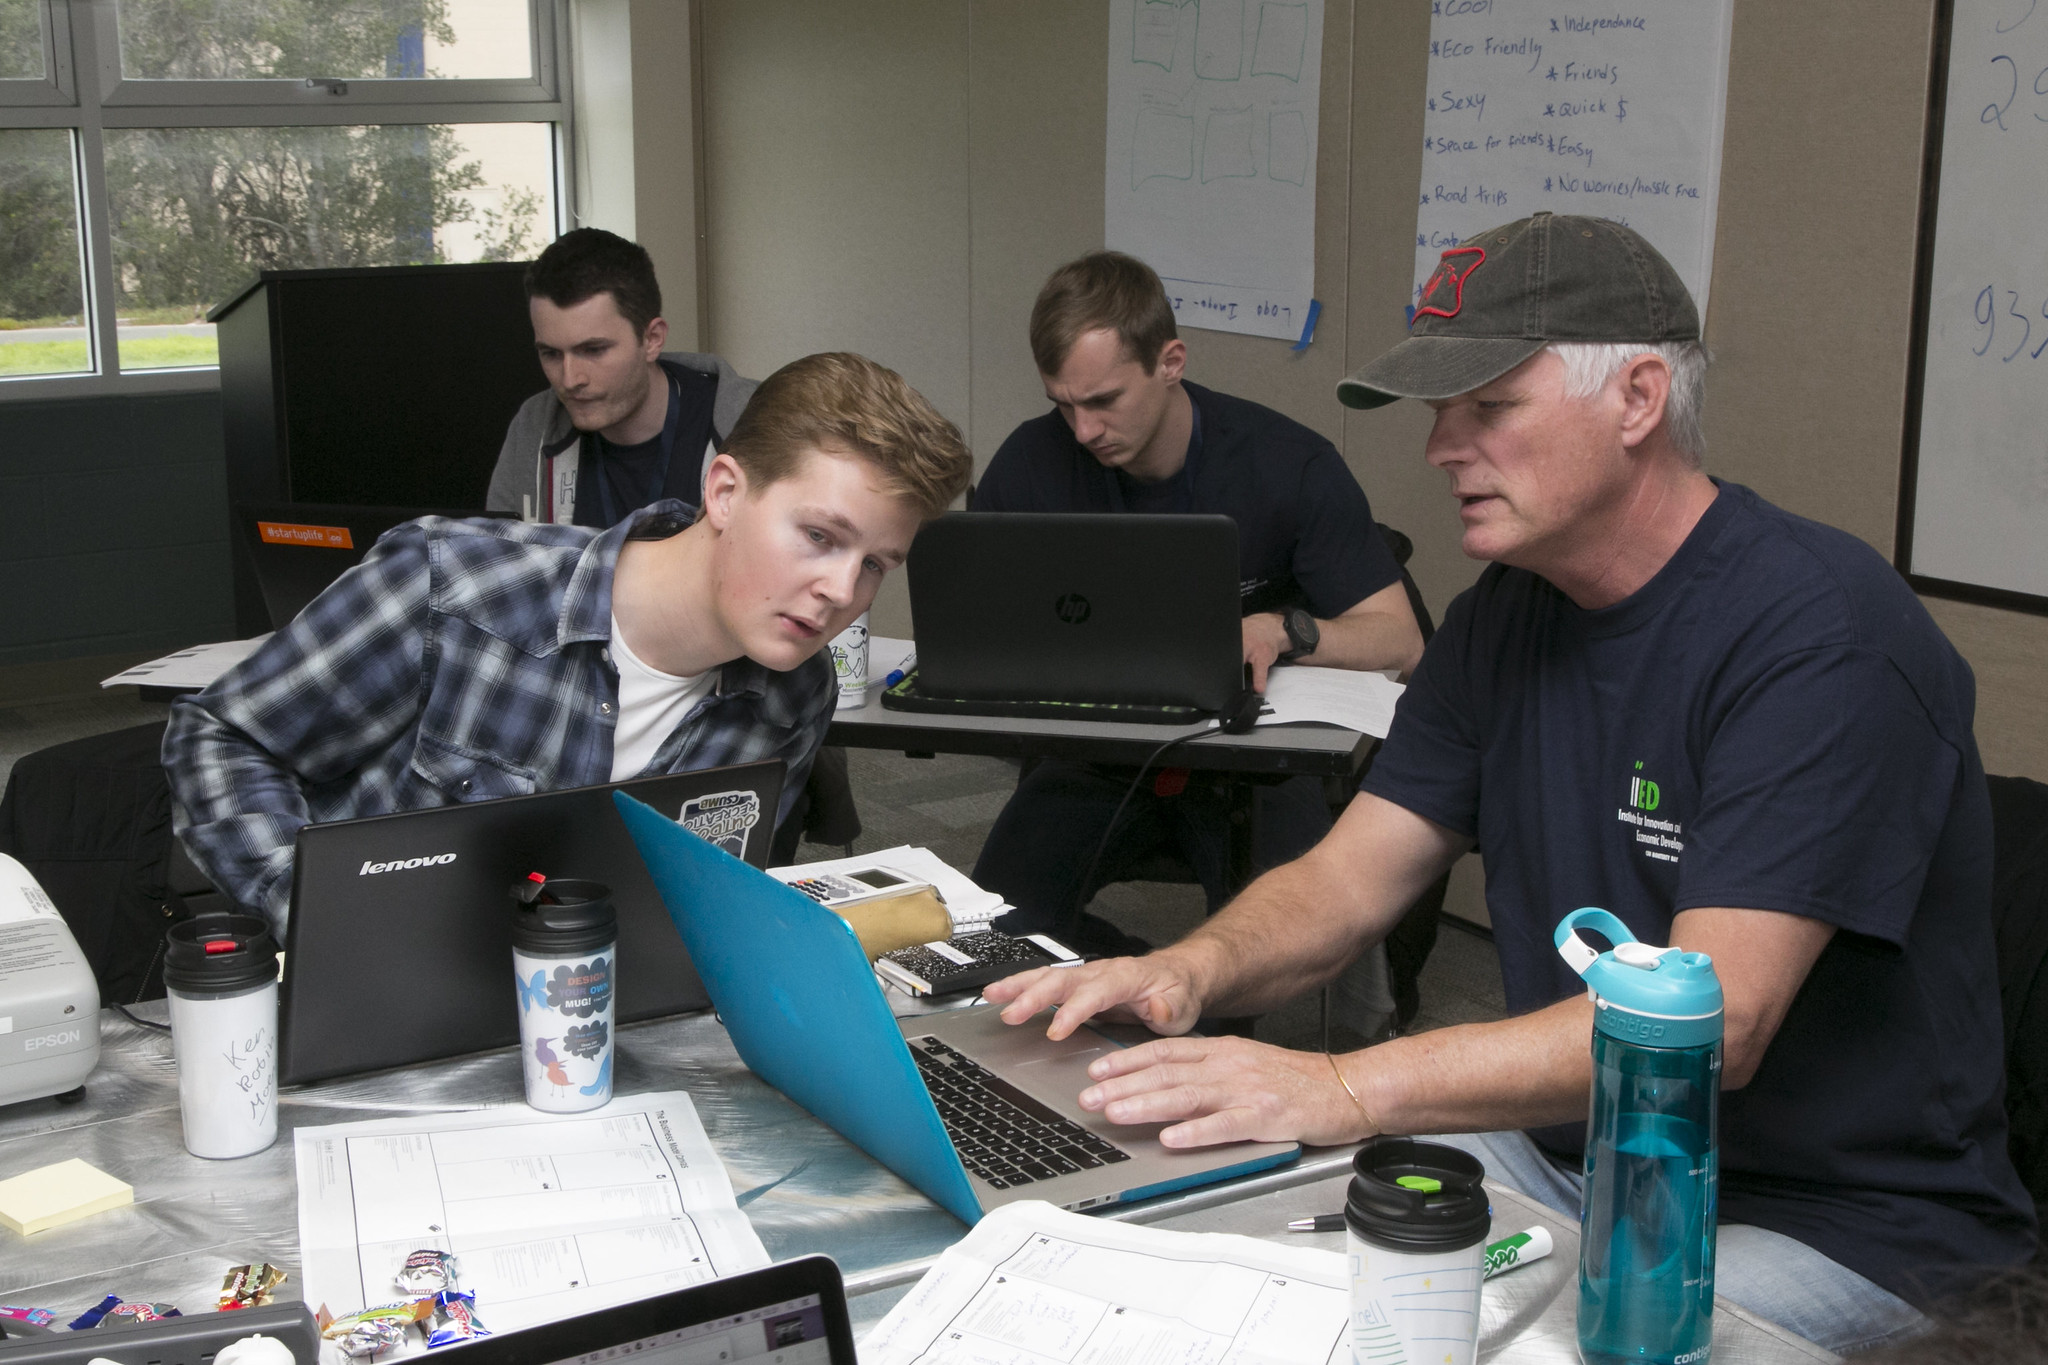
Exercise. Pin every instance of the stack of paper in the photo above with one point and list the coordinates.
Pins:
(1333, 696)
(195, 668)
(548, 1215)
(1034, 1283)
(970, 906)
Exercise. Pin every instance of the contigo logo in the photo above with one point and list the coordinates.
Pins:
(1641, 1028)
(405, 864)
(1072, 608)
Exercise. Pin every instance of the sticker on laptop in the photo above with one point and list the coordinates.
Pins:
(722, 819)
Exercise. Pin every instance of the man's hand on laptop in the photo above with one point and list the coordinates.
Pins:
(1156, 990)
(1225, 1090)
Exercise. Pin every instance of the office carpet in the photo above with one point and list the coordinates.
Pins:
(946, 804)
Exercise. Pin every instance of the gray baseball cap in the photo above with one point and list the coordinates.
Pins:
(1500, 296)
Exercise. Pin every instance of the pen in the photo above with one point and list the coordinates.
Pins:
(899, 673)
(1322, 1222)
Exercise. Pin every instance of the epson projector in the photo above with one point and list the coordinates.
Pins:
(49, 1002)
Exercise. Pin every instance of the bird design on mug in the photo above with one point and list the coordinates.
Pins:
(545, 1055)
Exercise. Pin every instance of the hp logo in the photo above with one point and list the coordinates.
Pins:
(1072, 608)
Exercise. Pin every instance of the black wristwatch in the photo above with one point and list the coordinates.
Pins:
(1303, 634)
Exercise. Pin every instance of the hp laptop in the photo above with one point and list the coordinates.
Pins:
(973, 1112)
(298, 548)
(1040, 613)
(399, 944)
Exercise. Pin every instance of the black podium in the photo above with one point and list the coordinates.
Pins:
(381, 387)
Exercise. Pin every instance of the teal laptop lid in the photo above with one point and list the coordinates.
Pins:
(820, 1000)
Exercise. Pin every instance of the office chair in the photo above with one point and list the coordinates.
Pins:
(1408, 945)
(2019, 910)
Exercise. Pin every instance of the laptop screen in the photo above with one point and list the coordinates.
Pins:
(788, 1333)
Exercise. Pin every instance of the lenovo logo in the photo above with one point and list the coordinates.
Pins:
(404, 864)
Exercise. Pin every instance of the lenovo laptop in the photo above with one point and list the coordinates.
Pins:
(1133, 617)
(399, 944)
(298, 548)
(973, 1112)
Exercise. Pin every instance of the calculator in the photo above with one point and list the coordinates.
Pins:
(967, 962)
(834, 889)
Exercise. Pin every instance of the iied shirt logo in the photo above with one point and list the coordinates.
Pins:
(1654, 837)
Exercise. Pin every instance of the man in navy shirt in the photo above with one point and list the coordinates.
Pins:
(1736, 729)
(622, 423)
(1318, 584)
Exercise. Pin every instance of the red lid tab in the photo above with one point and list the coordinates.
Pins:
(220, 945)
(536, 877)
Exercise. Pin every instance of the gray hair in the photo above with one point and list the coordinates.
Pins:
(1588, 365)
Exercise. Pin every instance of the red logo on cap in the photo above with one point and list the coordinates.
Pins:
(1452, 275)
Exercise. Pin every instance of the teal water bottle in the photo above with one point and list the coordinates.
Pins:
(1646, 1227)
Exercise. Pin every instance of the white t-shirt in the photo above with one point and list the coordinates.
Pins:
(651, 705)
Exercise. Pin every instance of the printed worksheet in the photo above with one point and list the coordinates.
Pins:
(548, 1215)
(1034, 1285)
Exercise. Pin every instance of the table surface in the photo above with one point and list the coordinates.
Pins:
(1314, 750)
(804, 1187)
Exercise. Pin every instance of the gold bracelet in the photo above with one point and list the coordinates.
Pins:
(1370, 1126)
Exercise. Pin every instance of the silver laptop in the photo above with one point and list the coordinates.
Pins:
(973, 1112)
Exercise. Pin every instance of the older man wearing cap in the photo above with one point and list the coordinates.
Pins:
(1736, 729)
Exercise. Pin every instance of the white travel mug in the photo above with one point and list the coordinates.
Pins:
(220, 974)
(1416, 1219)
(565, 964)
(849, 651)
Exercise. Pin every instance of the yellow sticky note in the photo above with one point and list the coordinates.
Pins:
(51, 1195)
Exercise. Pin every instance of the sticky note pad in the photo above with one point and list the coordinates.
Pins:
(52, 1195)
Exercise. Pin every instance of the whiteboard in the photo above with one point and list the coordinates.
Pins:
(1977, 450)
(1613, 112)
(1210, 168)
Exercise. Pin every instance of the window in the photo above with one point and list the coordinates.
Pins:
(156, 154)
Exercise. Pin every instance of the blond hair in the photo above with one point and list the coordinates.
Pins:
(840, 402)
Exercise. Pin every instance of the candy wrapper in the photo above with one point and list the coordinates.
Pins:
(427, 1271)
(129, 1314)
(376, 1329)
(249, 1286)
(455, 1319)
(34, 1317)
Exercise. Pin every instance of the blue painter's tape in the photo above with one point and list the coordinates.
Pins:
(1308, 328)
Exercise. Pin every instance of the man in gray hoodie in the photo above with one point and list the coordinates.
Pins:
(622, 424)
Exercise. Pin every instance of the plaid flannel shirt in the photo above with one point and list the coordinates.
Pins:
(460, 661)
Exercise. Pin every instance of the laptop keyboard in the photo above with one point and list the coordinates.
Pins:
(1002, 1134)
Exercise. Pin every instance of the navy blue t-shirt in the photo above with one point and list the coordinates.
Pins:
(1305, 534)
(614, 480)
(1771, 722)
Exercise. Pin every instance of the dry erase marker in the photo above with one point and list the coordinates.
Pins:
(898, 674)
(1519, 1249)
(1505, 1254)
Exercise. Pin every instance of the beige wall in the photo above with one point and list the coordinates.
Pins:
(898, 175)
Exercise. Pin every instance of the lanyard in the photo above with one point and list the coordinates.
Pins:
(670, 424)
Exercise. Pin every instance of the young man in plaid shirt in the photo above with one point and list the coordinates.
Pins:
(465, 660)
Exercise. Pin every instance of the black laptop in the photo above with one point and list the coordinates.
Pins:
(1087, 615)
(792, 1313)
(399, 944)
(298, 548)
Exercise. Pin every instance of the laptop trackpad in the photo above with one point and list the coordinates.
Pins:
(1055, 1072)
